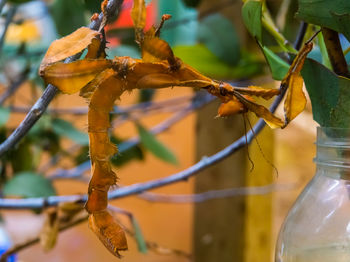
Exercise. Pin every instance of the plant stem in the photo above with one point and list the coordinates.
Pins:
(2, 4)
(335, 52)
(273, 30)
(300, 36)
(10, 15)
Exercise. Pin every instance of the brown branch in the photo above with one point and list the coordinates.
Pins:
(335, 52)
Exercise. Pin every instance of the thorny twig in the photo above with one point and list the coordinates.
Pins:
(40, 106)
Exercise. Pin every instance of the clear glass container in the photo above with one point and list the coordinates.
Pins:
(317, 228)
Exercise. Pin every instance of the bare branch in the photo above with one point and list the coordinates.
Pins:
(31, 203)
(168, 105)
(214, 194)
(300, 36)
(40, 106)
(2, 4)
(12, 88)
(10, 15)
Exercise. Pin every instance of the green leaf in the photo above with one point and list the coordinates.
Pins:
(218, 34)
(329, 94)
(68, 15)
(125, 155)
(333, 14)
(4, 115)
(82, 156)
(202, 59)
(141, 244)
(154, 146)
(22, 157)
(93, 6)
(146, 95)
(278, 66)
(27, 184)
(251, 14)
(65, 128)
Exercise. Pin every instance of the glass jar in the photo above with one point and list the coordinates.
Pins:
(317, 228)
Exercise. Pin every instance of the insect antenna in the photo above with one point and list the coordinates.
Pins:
(246, 143)
(260, 148)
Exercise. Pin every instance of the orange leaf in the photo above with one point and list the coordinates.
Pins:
(265, 93)
(108, 231)
(156, 81)
(49, 231)
(95, 50)
(155, 49)
(68, 46)
(299, 60)
(230, 108)
(260, 111)
(100, 146)
(71, 77)
(295, 101)
(89, 89)
(138, 15)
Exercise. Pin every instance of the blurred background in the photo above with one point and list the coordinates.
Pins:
(179, 129)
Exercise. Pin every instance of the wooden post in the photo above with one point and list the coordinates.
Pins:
(219, 224)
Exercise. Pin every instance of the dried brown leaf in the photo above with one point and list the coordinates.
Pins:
(89, 89)
(68, 46)
(260, 111)
(155, 49)
(108, 231)
(49, 232)
(230, 108)
(265, 93)
(71, 77)
(157, 81)
(295, 101)
(95, 49)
